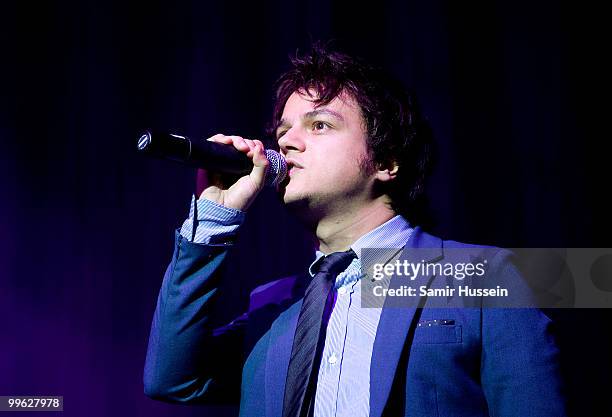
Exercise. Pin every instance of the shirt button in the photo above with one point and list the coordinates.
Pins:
(332, 359)
(342, 290)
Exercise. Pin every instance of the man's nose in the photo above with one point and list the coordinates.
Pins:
(291, 141)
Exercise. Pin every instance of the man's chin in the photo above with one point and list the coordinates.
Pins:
(286, 196)
(291, 200)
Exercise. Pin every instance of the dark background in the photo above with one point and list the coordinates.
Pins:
(515, 92)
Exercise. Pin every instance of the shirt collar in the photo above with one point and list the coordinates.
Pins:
(394, 233)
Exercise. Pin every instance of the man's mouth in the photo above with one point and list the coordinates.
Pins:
(293, 163)
(293, 166)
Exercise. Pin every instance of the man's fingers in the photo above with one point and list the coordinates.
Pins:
(220, 138)
(254, 150)
(237, 141)
(238, 191)
(259, 155)
(240, 143)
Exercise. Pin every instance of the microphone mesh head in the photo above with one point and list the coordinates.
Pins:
(277, 170)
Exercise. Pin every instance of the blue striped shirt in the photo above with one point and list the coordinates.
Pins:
(343, 387)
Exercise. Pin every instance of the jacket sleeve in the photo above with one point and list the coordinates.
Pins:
(520, 360)
(187, 360)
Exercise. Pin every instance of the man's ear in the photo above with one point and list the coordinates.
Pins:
(387, 172)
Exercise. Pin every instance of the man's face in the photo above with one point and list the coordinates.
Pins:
(325, 149)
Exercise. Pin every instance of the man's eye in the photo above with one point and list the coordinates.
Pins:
(319, 125)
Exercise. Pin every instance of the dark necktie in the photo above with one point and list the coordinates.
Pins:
(301, 375)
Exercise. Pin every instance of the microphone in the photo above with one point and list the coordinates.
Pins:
(209, 155)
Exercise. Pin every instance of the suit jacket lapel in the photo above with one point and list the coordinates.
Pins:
(394, 325)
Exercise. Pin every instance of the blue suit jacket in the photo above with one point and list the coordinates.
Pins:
(498, 362)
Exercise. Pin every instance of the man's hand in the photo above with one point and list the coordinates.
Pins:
(241, 192)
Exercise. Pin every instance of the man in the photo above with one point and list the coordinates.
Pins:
(357, 151)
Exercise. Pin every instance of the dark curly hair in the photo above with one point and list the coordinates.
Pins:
(396, 131)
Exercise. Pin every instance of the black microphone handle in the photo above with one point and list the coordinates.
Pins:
(195, 153)
(209, 155)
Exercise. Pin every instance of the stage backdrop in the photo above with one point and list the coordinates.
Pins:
(512, 89)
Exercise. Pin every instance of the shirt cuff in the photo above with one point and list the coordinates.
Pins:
(211, 223)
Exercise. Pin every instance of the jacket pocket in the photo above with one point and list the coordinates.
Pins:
(437, 334)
